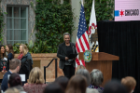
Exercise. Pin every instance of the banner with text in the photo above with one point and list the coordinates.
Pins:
(126, 10)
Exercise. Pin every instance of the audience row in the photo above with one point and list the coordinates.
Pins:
(81, 82)
(7, 54)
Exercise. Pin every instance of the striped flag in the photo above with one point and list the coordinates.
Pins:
(82, 43)
(92, 31)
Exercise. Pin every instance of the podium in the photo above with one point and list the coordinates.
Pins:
(101, 61)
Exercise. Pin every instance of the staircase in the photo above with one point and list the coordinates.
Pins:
(50, 71)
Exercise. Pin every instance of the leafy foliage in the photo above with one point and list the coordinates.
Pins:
(16, 47)
(103, 9)
(1, 23)
(52, 20)
(34, 48)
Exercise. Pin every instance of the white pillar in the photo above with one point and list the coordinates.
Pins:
(76, 11)
(62, 1)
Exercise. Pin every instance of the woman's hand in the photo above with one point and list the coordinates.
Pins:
(3, 72)
(66, 58)
(74, 58)
(25, 84)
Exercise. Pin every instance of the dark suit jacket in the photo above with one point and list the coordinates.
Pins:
(26, 65)
(4, 84)
(10, 56)
(61, 53)
(27, 57)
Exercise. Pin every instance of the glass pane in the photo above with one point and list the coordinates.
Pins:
(9, 34)
(16, 24)
(23, 12)
(19, 42)
(24, 42)
(23, 23)
(10, 42)
(23, 35)
(9, 23)
(16, 11)
(17, 35)
(9, 11)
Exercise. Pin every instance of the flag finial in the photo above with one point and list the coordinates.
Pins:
(82, 3)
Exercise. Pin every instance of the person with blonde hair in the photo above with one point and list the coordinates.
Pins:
(36, 82)
(26, 60)
(24, 53)
(130, 83)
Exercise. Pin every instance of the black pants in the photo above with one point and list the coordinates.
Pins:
(69, 71)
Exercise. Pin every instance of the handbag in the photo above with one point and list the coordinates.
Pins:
(3, 65)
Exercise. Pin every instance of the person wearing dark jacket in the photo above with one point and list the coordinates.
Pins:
(10, 51)
(4, 63)
(14, 67)
(64, 51)
(26, 61)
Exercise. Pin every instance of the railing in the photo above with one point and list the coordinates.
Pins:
(48, 66)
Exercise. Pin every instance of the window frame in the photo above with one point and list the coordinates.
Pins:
(13, 21)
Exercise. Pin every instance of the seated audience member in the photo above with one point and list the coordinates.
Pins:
(14, 68)
(77, 84)
(53, 88)
(96, 80)
(89, 90)
(36, 82)
(80, 67)
(85, 73)
(114, 87)
(62, 81)
(130, 83)
(15, 81)
(12, 90)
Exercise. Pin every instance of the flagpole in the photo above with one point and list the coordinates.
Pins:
(92, 15)
(87, 26)
(82, 3)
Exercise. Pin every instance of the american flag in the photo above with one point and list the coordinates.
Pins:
(82, 43)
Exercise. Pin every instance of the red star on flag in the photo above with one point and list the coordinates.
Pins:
(121, 13)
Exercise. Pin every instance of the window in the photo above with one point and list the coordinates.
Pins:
(17, 24)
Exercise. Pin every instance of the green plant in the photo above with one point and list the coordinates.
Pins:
(16, 47)
(1, 23)
(52, 20)
(103, 9)
(39, 47)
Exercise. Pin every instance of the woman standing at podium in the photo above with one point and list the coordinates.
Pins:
(64, 50)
